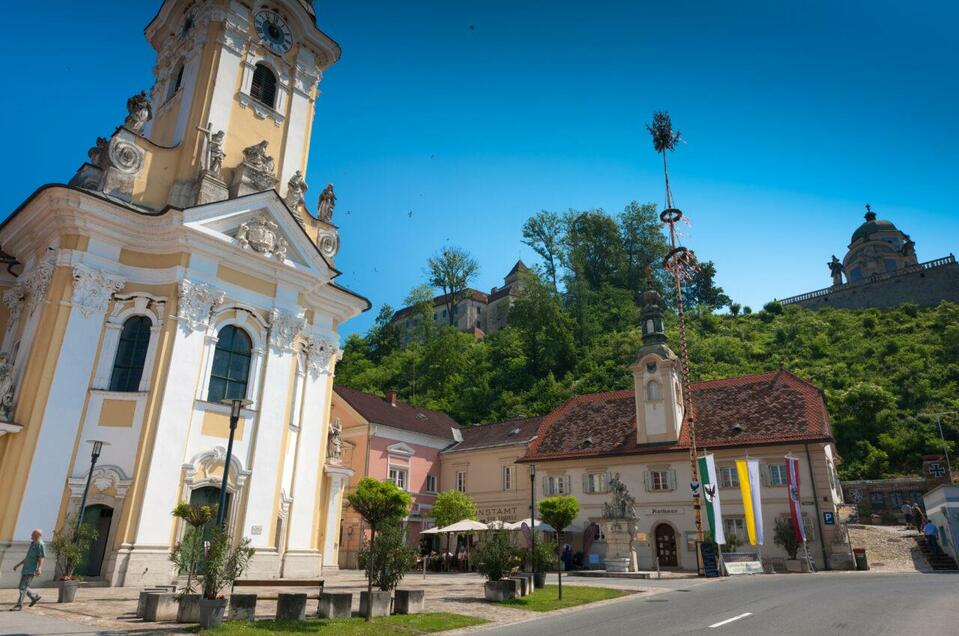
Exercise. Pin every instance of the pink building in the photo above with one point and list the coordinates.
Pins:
(385, 438)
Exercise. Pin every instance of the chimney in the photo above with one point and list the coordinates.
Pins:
(391, 396)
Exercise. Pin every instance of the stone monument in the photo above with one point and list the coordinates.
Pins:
(619, 526)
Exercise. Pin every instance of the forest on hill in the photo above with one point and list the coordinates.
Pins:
(575, 330)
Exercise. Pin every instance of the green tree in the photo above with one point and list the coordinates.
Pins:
(451, 270)
(379, 503)
(543, 232)
(785, 537)
(390, 558)
(188, 553)
(559, 512)
(451, 506)
(545, 329)
(702, 291)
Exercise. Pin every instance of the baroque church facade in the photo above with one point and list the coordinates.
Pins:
(178, 269)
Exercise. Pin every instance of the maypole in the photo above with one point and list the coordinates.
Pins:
(681, 263)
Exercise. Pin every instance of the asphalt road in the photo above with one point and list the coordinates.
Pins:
(825, 603)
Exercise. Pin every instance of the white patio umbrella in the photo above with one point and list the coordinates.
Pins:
(464, 526)
(541, 526)
(433, 530)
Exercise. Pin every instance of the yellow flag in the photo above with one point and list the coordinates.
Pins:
(744, 487)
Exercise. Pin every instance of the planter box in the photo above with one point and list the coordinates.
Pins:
(502, 590)
(189, 610)
(539, 580)
(381, 603)
(335, 605)
(142, 600)
(409, 601)
(242, 607)
(524, 585)
(67, 591)
(290, 607)
(211, 612)
(160, 606)
(794, 565)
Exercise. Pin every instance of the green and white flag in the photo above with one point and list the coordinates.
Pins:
(710, 486)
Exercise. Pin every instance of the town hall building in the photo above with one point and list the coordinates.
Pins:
(181, 267)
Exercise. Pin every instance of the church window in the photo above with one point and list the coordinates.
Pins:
(650, 328)
(176, 82)
(654, 392)
(263, 88)
(231, 365)
(131, 354)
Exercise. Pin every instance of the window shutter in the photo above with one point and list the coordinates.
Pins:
(672, 479)
(607, 478)
(569, 484)
(586, 489)
(646, 479)
(765, 476)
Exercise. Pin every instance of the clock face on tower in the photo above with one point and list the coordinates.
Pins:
(273, 31)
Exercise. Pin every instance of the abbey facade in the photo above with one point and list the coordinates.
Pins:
(181, 268)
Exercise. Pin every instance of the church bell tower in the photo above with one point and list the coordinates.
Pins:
(656, 379)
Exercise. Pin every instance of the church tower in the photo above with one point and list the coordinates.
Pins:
(229, 114)
(656, 379)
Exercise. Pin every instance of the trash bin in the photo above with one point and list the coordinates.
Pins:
(862, 563)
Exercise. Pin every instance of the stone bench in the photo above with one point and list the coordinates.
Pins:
(243, 607)
(408, 601)
(335, 605)
(290, 606)
(380, 605)
(160, 606)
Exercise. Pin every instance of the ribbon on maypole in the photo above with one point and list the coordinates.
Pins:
(795, 511)
(710, 486)
(749, 486)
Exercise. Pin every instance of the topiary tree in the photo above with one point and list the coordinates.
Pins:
(785, 537)
(378, 502)
(559, 512)
(452, 506)
(390, 555)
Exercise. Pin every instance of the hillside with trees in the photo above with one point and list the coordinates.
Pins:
(575, 330)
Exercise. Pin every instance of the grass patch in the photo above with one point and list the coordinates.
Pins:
(405, 625)
(545, 599)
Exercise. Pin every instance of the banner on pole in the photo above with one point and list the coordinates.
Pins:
(710, 486)
(749, 486)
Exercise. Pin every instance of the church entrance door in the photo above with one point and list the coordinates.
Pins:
(100, 517)
(666, 546)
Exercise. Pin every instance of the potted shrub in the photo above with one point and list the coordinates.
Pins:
(785, 537)
(387, 561)
(71, 547)
(224, 563)
(543, 559)
(187, 555)
(494, 558)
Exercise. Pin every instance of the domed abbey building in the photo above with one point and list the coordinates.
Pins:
(881, 269)
(178, 275)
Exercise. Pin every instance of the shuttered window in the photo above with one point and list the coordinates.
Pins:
(263, 88)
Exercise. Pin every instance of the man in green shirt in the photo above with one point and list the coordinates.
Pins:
(32, 566)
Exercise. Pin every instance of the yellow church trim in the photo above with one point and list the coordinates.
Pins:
(246, 281)
(117, 413)
(218, 425)
(153, 261)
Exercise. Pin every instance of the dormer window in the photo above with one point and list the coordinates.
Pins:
(263, 88)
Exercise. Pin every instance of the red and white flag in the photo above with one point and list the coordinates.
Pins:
(795, 511)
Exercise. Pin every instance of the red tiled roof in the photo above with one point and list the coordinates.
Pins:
(378, 410)
(505, 433)
(439, 301)
(774, 407)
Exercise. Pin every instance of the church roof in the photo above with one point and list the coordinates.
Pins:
(378, 410)
(872, 225)
(752, 410)
(519, 268)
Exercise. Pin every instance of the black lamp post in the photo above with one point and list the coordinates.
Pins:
(532, 518)
(235, 404)
(94, 456)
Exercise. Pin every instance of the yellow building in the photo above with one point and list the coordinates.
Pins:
(179, 267)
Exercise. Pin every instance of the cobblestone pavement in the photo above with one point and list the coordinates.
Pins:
(889, 548)
(99, 610)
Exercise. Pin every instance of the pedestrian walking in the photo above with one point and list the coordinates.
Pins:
(907, 513)
(931, 533)
(917, 517)
(32, 566)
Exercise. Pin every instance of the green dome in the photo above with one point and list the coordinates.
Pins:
(872, 225)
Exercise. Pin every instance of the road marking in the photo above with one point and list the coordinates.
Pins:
(730, 620)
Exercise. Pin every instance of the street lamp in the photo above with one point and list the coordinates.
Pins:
(235, 404)
(532, 518)
(94, 456)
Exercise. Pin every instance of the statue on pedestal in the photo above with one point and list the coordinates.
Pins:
(139, 112)
(295, 193)
(619, 526)
(327, 203)
(6, 389)
(334, 447)
(836, 269)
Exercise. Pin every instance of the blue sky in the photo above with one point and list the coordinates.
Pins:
(476, 114)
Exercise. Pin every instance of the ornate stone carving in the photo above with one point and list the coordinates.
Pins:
(284, 328)
(30, 291)
(98, 153)
(295, 192)
(123, 162)
(262, 236)
(213, 155)
(319, 353)
(92, 290)
(196, 302)
(13, 298)
(139, 112)
(256, 172)
(6, 389)
(334, 445)
(329, 244)
(125, 156)
(623, 505)
(324, 210)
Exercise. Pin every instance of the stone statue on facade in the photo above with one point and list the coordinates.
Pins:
(334, 446)
(215, 154)
(327, 202)
(836, 269)
(98, 153)
(6, 389)
(909, 247)
(255, 173)
(139, 112)
(295, 194)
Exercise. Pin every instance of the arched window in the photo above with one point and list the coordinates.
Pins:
(131, 354)
(231, 365)
(653, 391)
(263, 88)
